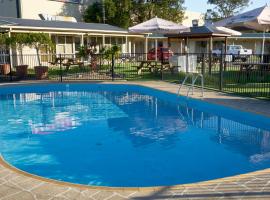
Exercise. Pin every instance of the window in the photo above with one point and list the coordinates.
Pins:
(61, 40)
(107, 40)
(113, 40)
(77, 43)
(64, 45)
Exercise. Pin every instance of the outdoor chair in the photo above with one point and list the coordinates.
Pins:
(56, 61)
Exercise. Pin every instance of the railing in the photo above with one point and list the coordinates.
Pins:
(242, 75)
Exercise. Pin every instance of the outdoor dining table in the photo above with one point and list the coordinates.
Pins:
(251, 66)
(152, 66)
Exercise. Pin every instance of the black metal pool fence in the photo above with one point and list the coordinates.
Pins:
(247, 75)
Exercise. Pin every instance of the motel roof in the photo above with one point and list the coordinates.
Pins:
(205, 32)
(32, 24)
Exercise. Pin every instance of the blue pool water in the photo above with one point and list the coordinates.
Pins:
(123, 135)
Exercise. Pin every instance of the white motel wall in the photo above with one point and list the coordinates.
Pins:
(30, 9)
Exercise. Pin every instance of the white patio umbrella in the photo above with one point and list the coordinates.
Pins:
(158, 26)
(257, 19)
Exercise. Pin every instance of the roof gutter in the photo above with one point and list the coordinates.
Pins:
(64, 29)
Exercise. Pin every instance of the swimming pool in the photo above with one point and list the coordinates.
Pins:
(127, 135)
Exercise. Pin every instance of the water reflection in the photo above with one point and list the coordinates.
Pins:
(48, 113)
(143, 119)
(164, 122)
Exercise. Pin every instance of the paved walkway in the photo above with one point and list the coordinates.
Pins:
(18, 185)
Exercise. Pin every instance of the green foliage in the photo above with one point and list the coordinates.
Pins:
(225, 8)
(19, 40)
(82, 52)
(113, 50)
(39, 40)
(4, 40)
(125, 13)
(94, 12)
(172, 10)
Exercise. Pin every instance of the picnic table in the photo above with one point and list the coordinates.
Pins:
(153, 66)
(248, 66)
(252, 66)
(57, 61)
(71, 61)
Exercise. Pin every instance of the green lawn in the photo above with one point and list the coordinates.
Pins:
(254, 85)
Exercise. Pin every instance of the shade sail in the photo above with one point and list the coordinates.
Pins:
(257, 19)
(157, 25)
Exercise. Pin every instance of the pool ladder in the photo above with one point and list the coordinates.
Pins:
(194, 78)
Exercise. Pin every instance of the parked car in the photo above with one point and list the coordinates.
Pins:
(162, 54)
(237, 52)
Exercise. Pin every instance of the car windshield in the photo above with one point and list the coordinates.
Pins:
(164, 49)
(237, 47)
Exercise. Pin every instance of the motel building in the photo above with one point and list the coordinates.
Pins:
(68, 33)
(62, 19)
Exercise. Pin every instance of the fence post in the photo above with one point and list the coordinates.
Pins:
(10, 70)
(113, 59)
(162, 63)
(210, 63)
(61, 70)
(221, 72)
(203, 64)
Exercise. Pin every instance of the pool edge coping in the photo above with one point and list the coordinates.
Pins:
(14, 169)
(233, 178)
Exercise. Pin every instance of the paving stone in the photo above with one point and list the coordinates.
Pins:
(18, 179)
(49, 189)
(29, 183)
(10, 176)
(4, 173)
(117, 197)
(6, 190)
(103, 195)
(59, 198)
(89, 193)
(20, 196)
(125, 194)
(71, 194)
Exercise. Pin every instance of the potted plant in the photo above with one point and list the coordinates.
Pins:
(37, 41)
(19, 40)
(4, 66)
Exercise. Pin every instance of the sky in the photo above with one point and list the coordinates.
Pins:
(201, 5)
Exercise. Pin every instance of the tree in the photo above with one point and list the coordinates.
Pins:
(18, 41)
(117, 12)
(167, 9)
(39, 40)
(3, 39)
(225, 8)
(125, 13)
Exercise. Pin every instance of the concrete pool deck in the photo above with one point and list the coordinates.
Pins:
(17, 185)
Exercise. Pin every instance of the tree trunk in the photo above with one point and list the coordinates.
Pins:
(21, 55)
(39, 61)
